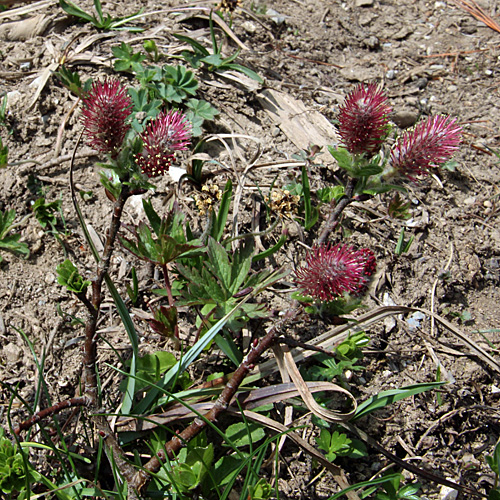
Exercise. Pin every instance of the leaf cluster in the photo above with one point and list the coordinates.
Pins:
(15, 471)
(171, 85)
(162, 241)
(215, 283)
(69, 277)
(337, 444)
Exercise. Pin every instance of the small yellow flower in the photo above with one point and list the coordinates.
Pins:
(283, 203)
(210, 193)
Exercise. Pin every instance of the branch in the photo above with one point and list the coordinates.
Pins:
(334, 218)
(51, 410)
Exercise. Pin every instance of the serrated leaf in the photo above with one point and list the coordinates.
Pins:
(219, 263)
(242, 262)
(220, 220)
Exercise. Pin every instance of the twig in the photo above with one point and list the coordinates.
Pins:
(334, 218)
(51, 410)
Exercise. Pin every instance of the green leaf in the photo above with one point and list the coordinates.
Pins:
(69, 277)
(212, 60)
(126, 58)
(386, 398)
(220, 220)
(244, 434)
(73, 10)
(246, 71)
(220, 265)
(270, 251)
(410, 491)
(4, 155)
(202, 109)
(328, 194)
(198, 47)
(343, 157)
(311, 213)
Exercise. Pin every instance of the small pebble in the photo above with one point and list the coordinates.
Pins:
(249, 27)
(12, 353)
(405, 119)
(364, 3)
(390, 75)
(452, 88)
(488, 72)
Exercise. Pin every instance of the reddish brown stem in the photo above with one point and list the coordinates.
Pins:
(51, 410)
(223, 401)
(334, 218)
(90, 345)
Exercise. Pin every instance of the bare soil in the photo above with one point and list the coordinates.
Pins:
(431, 57)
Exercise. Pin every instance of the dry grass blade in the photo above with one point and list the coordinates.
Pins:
(246, 400)
(283, 353)
(475, 10)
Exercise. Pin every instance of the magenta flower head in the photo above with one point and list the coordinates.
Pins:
(363, 119)
(430, 143)
(166, 134)
(106, 108)
(330, 271)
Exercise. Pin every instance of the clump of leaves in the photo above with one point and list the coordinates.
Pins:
(10, 242)
(171, 85)
(216, 285)
(346, 356)
(337, 444)
(15, 471)
(214, 60)
(48, 213)
(69, 277)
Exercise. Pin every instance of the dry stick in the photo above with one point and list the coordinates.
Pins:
(334, 218)
(220, 406)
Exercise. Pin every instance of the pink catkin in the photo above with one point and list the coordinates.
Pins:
(167, 133)
(106, 108)
(332, 270)
(432, 142)
(363, 119)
